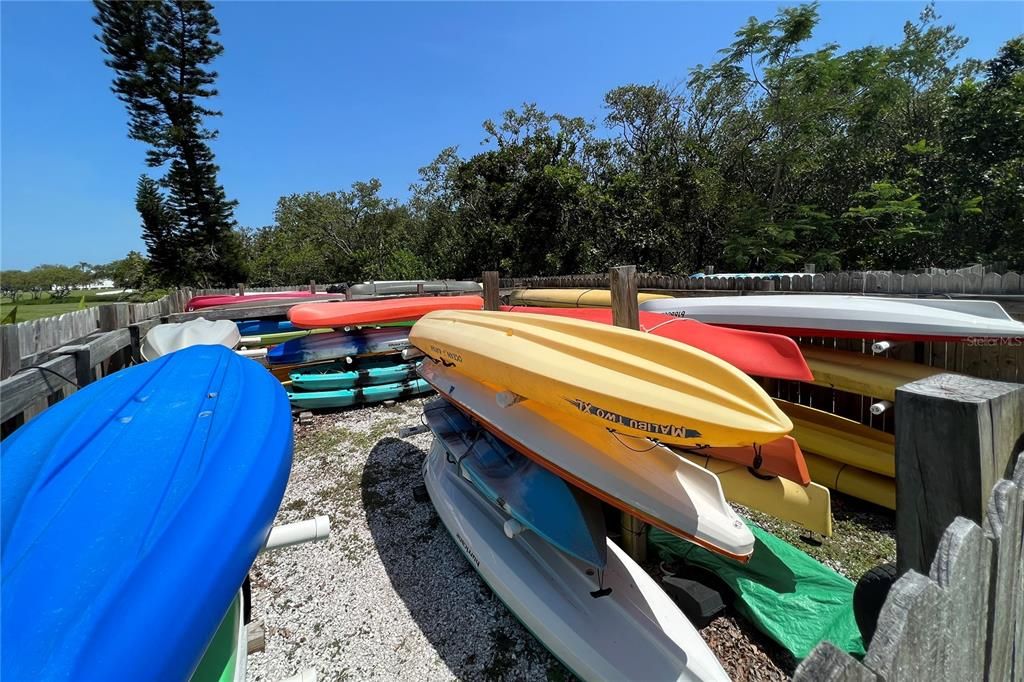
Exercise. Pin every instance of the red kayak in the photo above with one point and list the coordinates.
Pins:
(757, 353)
(356, 313)
(782, 457)
(215, 300)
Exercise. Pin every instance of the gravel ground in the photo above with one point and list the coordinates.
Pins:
(388, 595)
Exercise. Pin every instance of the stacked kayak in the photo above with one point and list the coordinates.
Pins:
(167, 338)
(390, 311)
(411, 287)
(365, 380)
(857, 317)
(234, 300)
(338, 346)
(570, 298)
(144, 494)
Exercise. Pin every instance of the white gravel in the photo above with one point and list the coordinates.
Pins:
(388, 595)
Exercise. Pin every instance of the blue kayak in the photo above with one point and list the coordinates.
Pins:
(359, 396)
(319, 379)
(260, 327)
(131, 514)
(334, 345)
(538, 499)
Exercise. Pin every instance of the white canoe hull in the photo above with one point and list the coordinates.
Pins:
(167, 338)
(632, 632)
(849, 316)
(647, 480)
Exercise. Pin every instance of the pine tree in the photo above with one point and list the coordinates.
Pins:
(159, 232)
(160, 51)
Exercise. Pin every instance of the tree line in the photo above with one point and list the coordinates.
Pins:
(778, 153)
(58, 281)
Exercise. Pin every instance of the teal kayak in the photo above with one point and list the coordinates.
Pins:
(333, 379)
(358, 396)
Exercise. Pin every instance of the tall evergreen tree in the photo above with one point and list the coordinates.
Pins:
(161, 51)
(159, 231)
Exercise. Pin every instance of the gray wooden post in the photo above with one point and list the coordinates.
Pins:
(709, 269)
(491, 290)
(312, 287)
(115, 316)
(241, 289)
(626, 313)
(10, 350)
(420, 289)
(955, 437)
(809, 268)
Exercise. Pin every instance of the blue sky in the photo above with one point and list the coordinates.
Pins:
(318, 95)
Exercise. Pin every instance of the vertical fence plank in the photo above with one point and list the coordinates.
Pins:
(491, 292)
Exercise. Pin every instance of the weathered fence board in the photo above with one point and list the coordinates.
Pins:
(950, 626)
(26, 387)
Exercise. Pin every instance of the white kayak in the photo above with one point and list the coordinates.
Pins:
(646, 480)
(167, 338)
(859, 317)
(615, 624)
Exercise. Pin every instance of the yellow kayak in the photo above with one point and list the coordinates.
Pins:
(842, 440)
(570, 298)
(851, 480)
(809, 507)
(628, 381)
(874, 376)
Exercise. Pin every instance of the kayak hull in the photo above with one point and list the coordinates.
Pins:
(657, 487)
(614, 624)
(411, 287)
(336, 379)
(158, 481)
(338, 345)
(529, 493)
(570, 298)
(757, 353)
(357, 313)
(358, 396)
(860, 317)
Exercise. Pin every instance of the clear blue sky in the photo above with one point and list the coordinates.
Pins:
(318, 95)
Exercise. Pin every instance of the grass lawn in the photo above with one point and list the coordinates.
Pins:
(34, 312)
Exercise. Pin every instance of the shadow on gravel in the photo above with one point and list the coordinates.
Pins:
(468, 627)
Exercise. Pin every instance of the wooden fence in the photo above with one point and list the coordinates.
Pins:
(964, 621)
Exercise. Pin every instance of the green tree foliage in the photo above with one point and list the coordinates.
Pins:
(160, 52)
(781, 152)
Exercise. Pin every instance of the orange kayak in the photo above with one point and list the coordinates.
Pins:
(356, 313)
(781, 457)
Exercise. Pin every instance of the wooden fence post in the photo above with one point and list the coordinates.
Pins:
(491, 290)
(10, 352)
(312, 287)
(626, 313)
(115, 316)
(421, 290)
(809, 268)
(241, 289)
(956, 436)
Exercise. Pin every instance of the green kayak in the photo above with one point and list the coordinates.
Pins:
(333, 378)
(358, 396)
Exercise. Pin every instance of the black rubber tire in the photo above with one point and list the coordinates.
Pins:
(869, 596)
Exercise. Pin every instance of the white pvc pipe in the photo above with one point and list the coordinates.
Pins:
(412, 353)
(882, 346)
(248, 340)
(254, 353)
(880, 407)
(310, 530)
(307, 675)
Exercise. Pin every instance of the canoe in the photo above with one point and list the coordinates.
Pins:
(226, 656)
(338, 345)
(260, 327)
(570, 298)
(808, 506)
(780, 457)
(841, 439)
(640, 384)
(356, 313)
(331, 378)
(234, 300)
(857, 317)
(537, 499)
(646, 480)
(614, 624)
(358, 396)
(870, 375)
(853, 481)
(410, 287)
(144, 494)
(167, 338)
(757, 353)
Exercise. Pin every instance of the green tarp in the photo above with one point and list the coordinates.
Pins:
(786, 594)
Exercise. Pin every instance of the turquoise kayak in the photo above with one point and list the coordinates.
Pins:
(332, 378)
(358, 396)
